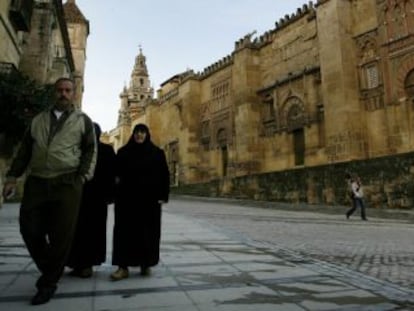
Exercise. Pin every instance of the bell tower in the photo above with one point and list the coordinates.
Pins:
(134, 97)
(140, 89)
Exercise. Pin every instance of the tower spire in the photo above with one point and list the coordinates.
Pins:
(140, 86)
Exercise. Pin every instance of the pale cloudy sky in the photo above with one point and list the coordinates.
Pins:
(174, 36)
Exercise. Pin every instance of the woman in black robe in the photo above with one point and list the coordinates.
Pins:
(89, 245)
(143, 185)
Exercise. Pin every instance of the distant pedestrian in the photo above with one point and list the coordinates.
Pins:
(357, 197)
(89, 244)
(143, 186)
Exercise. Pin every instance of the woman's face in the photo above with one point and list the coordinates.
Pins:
(140, 136)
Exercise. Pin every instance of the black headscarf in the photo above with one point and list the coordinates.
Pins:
(140, 128)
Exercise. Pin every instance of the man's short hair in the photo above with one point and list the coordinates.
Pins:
(65, 79)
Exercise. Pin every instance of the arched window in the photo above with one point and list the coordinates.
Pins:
(409, 85)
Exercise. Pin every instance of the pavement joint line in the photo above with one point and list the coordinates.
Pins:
(125, 292)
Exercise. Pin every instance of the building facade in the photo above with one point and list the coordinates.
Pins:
(331, 83)
(78, 31)
(42, 40)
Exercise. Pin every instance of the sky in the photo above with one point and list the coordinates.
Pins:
(174, 36)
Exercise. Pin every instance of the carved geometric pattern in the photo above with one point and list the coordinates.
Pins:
(295, 114)
(220, 92)
(368, 60)
(396, 16)
(367, 47)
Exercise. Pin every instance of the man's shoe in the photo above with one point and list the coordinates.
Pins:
(43, 295)
(82, 273)
(365, 219)
(145, 271)
(121, 273)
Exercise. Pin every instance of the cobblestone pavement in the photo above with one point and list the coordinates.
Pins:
(382, 247)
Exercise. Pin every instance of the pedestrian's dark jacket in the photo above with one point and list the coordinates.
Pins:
(143, 172)
(143, 182)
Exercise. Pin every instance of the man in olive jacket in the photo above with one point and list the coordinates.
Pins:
(58, 152)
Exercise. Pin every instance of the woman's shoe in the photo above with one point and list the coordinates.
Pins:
(120, 274)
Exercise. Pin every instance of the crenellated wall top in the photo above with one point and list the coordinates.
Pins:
(248, 42)
(224, 62)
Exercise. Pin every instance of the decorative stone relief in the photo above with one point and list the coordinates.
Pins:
(294, 113)
(395, 15)
(370, 80)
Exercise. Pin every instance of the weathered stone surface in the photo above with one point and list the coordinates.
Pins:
(332, 84)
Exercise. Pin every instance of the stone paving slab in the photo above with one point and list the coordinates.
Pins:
(202, 268)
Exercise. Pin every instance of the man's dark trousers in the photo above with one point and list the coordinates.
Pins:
(48, 218)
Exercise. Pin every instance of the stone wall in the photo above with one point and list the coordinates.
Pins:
(388, 183)
(328, 89)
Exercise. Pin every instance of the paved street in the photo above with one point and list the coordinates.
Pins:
(237, 255)
(382, 247)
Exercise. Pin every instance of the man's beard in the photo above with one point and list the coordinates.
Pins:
(62, 104)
